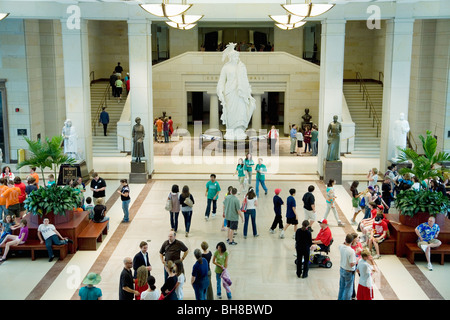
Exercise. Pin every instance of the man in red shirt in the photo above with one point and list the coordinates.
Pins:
(323, 238)
(379, 234)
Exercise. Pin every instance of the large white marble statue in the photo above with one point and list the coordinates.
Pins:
(401, 129)
(70, 139)
(234, 92)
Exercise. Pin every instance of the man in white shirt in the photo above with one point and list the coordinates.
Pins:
(47, 233)
(347, 269)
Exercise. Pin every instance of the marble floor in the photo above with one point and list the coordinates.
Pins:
(261, 268)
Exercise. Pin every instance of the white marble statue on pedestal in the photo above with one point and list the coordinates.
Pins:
(401, 129)
(70, 139)
(234, 92)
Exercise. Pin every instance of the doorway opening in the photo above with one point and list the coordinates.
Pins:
(272, 110)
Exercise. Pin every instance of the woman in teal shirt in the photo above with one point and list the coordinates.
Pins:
(241, 173)
(260, 176)
(248, 165)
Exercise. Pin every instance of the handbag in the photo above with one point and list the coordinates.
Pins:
(362, 204)
(169, 205)
(188, 202)
(244, 205)
(355, 202)
(162, 296)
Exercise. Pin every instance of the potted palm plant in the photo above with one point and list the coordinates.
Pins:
(415, 206)
(55, 203)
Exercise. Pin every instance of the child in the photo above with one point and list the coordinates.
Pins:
(379, 234)
(277, 203)
(51, 180)
(6, 227)
(90, 207)
(365, 268)
(181, 279)
(34, 175)
(291, 213)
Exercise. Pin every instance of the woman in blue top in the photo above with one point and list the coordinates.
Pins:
(331, 201)
(248, 164)
(200, 280)
(89, 292)
(241, 174)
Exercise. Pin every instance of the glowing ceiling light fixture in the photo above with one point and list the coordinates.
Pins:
(185, 19)
(307, 9)
(290, 26)
(180, 26)
(3, 15)
(286, 19)
(165, 10)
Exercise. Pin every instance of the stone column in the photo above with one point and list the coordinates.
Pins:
(331, 82)
(213, 110)
(77, 86)
(397, 71)
(256, 119)
(141, 97)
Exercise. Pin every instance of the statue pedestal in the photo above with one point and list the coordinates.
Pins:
(72, 172)
(236, 144)
(332, 170)
(138, 172)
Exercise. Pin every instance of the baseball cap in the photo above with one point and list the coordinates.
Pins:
(324, 221)
(277, 191)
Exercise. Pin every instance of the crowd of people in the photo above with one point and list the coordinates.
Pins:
(358, 252)
(304, 139)
(118, 82)
(244, 46)
(163, 129)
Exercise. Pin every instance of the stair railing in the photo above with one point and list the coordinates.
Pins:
(381, 78)
(103, 104)
(369, 105)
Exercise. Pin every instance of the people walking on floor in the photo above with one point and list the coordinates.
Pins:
(261, 170)
(119, 89)
(212, 195)
(125, 198)
(112, 83)
(186, 203)
(291, 213)
(278, 219)
(199, 280)
(181, 278)
(232, 214)
(220, 259)
(273, 136)
(331, 201)
(171, 250)
(365, 269)
(250, 213)
(248, 167)
(309, 206)
(356, 200)
(174, 197)
(89, 291)
(206, 253)
(241, 174)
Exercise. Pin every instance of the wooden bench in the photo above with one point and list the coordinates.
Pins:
(91, 234)
(35, 245)
(412, 249)
(388, 246)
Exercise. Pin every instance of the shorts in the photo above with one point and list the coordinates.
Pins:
(291, 221)
(160, 133)
(299, 143)
(241, 180)
(356, 209)
(378, 236)
(432, 241)
(22, 207)
(14, 210)
(310, 215)
(233, 225)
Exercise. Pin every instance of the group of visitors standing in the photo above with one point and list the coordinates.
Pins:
(163, 129)
(118, 82)
(306, 138)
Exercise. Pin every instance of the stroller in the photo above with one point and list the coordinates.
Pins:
(320, 260)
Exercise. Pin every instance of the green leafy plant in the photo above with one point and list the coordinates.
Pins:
(424, 167)
(52, 199)
(47, 154)
(409, 202)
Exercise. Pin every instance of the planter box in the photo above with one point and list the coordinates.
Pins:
(419, 218)
(55, 220)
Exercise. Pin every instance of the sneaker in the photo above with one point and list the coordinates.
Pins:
(377, 256)
(219, 297)
(206, 218)
(232, 243)
(187, 234)
(282, 234)
(430, 267)
(256, 235)
(51, 258)
(213, 215)
(340, 224)
(271, 231)
(245, 237)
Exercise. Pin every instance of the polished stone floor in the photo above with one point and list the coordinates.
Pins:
(261, 268)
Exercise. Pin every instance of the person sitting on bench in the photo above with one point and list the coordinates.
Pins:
(427, 234)
(379, 234)
(47, 233)
(13, 240)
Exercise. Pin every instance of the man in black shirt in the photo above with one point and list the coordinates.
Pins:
(171, 250)
(126, 285)
(309, 206)
(118, 68)
(98, 187)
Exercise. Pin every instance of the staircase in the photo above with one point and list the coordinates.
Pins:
(367, 144)
(105, 146)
